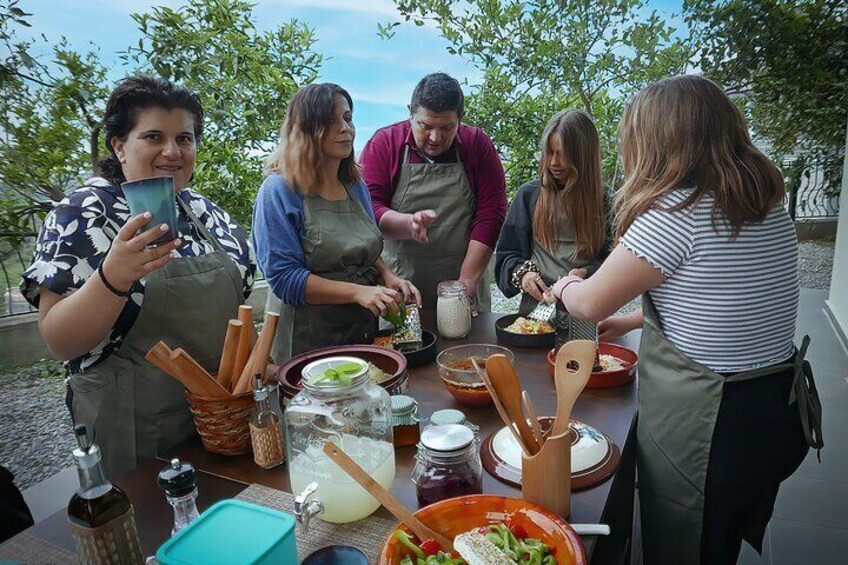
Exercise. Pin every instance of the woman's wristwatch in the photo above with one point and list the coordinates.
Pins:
(518, 274)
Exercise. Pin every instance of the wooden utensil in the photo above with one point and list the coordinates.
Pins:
(531, 415)
(161, 356)
(228, 354)
(499, 406)
(392, 504)
(259, 356)
(569, 384)
(197, 374)
(245, 316)
(505, 380)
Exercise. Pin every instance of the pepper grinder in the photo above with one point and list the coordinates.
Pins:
(179, 481)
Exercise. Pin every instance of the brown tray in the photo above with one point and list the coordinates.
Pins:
(497, 464)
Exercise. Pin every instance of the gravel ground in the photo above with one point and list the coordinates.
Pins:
(35, 430)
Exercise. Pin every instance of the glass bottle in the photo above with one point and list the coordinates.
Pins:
(340, 403)
(179, 481)
(447, 464)
(100, 515)
(265, 429)
(453, 310)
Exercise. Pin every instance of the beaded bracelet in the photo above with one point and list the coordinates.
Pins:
(518, 274)
(107, 284)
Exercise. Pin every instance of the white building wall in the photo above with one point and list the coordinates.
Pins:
(837, 303)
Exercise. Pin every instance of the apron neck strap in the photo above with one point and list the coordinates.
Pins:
(205, 232)
(428, 159)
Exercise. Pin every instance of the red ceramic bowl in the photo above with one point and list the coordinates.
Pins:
(458, 515)
(607, 379)
(290, 373)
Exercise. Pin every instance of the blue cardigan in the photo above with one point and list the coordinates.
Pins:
(278, 224)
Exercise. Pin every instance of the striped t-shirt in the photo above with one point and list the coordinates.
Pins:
(728, 304)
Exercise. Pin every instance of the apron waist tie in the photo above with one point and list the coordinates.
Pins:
(805, 393)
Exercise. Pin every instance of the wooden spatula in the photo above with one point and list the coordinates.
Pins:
(504, 379)
(392, 504)
(569, 384)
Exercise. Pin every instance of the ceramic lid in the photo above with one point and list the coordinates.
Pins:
(590, 449)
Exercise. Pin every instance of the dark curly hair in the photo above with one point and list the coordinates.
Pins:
(438, 92)
(133, 95)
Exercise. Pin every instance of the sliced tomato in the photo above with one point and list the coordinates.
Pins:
(430, 547)
(517, 530)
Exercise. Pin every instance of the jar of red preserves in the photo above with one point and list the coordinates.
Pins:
(447, 464)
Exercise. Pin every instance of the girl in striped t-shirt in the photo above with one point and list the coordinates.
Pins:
(704, 238)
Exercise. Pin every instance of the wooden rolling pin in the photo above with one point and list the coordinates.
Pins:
(202, 385)
(228, 354)
(259, 356)
(245, 316)
(198, 375)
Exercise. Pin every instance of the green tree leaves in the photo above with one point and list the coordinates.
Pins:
(244, 78)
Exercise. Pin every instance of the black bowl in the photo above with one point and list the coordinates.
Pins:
(337, 555)
(521, 340)
(427, 353)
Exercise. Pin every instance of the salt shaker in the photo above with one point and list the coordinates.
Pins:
(453, 310)
(179, 481)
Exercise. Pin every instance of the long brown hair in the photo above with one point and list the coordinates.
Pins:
(580, 198)
(684, 131)
(298, 157)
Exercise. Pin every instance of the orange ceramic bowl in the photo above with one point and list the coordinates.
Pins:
(607, 379)
(458, 515)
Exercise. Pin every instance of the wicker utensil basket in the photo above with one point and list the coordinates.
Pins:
(224, 422)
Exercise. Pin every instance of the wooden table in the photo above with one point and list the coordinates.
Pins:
(611, 411)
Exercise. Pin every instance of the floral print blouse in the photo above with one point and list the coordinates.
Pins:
(78, 232)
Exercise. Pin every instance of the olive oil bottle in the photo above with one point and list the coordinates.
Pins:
(100, 514)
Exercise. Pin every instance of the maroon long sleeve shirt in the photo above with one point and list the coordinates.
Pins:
(382, 157)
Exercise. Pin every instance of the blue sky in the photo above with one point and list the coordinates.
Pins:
(379, 74)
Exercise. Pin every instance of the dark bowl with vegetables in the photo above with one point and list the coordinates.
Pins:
(526, 522)
(389, 368)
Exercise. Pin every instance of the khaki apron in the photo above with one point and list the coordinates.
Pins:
(341, 243)
(552, 264)
(679, 401)
(136, 410)
(442, 187)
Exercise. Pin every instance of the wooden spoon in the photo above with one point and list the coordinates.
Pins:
(386, 498)
(569, 384)
(534, 421)
(499, 407)
(505, 380)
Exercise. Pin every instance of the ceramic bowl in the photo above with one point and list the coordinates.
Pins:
(458, 515)
(337, 555)
(289, 374)
(607, 379)
(428, 351)
(459, 375)
(521, 340)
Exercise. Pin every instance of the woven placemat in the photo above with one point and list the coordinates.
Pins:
(26, 548)
(367, 534)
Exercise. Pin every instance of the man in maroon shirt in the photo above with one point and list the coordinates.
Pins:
(438, 192)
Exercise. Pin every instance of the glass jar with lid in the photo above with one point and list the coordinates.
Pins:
(339, 403)
(447, 464)
(453, 310)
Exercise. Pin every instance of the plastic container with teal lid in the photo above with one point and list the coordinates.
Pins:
(233, 531)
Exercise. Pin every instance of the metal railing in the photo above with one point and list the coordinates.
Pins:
(13, 262)
(807, 196)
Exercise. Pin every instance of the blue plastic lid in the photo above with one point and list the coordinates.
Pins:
(231, 531)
